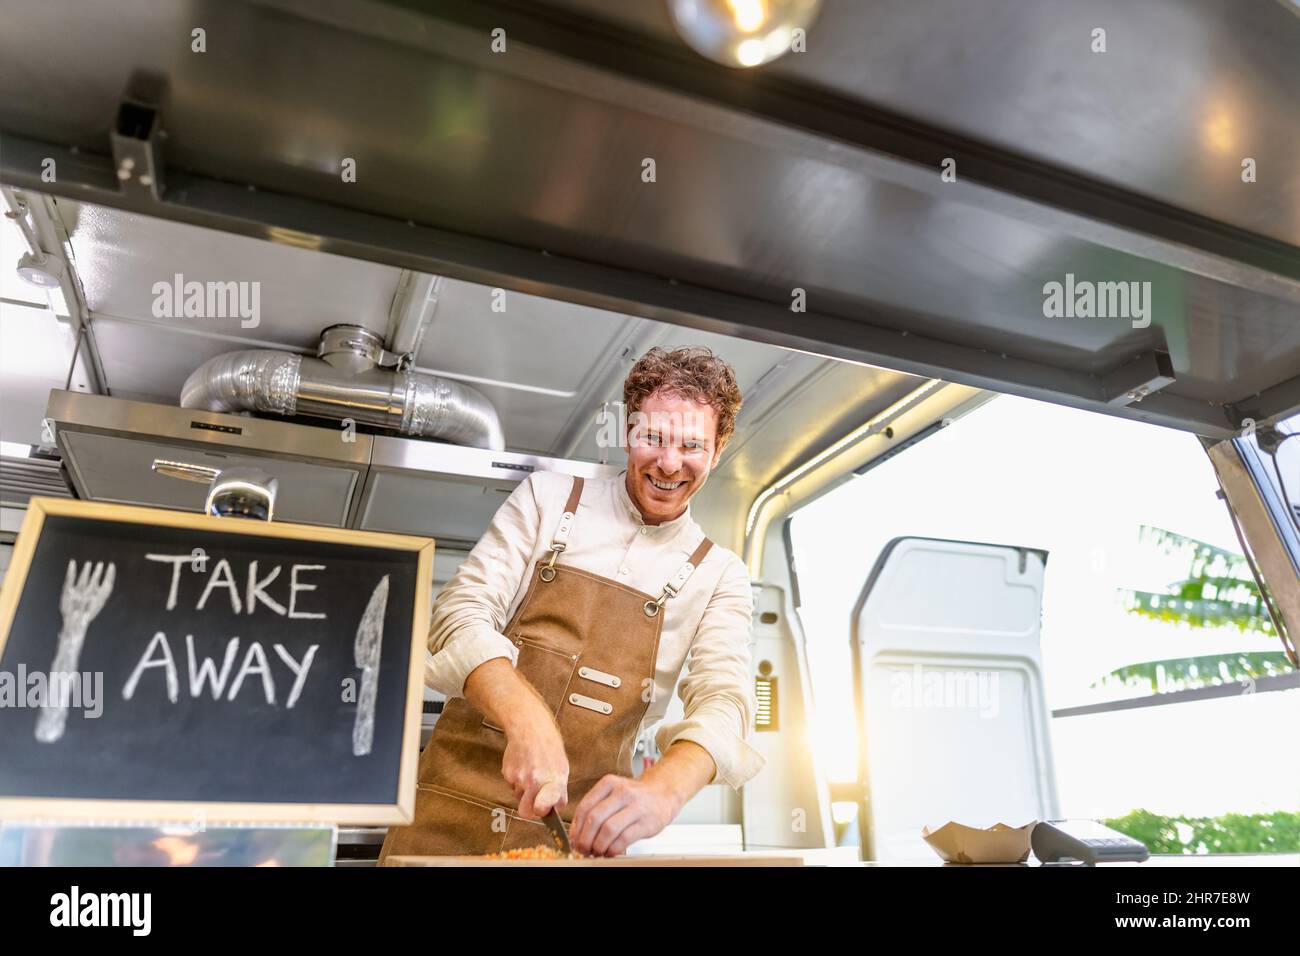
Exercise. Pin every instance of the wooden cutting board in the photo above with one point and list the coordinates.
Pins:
(731, 859)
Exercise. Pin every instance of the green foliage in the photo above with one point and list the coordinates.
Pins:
(1209, 670)
(1204, 559)
(1231, 833)
(1218, 592)
(1199, 604)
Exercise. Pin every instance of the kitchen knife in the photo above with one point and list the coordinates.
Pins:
(558, 833)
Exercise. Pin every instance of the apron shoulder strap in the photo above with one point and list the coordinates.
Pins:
(559, 540)
(693, 561)
(575, 493)
(561, 536)
(678, 580)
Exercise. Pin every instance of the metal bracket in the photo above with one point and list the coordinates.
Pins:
(137, 137)
(1129, 384)
(1269, 438)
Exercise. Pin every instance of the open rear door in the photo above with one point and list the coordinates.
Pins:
(1259, 473)
(949, 692)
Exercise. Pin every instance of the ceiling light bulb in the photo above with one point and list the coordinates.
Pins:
(741, 32)
(748, 15)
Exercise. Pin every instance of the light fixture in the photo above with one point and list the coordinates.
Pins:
(45, 272)
(40, 270)
(742, 32)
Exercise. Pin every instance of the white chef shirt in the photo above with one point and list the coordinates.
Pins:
(706, 625)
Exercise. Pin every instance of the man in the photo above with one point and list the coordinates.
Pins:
(566, 628)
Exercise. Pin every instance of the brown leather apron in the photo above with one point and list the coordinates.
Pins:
(588, 645)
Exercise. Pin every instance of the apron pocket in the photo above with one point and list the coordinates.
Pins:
(449, 823)
(547, 669)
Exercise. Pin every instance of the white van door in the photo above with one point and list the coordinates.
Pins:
(949, 692)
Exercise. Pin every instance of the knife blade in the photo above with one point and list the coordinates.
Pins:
(558, 833)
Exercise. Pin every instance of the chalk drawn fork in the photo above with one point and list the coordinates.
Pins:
(83, 598)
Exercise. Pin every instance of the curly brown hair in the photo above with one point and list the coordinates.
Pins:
(695, 374)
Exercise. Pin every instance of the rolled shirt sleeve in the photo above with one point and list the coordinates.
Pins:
(473, 606)
(718, 689)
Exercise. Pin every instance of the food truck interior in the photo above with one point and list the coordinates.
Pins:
(869, 233)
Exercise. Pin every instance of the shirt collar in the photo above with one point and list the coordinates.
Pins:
(630, 509)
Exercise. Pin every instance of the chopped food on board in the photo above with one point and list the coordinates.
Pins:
(540, 852)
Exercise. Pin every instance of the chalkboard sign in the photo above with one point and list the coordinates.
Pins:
(157, 665)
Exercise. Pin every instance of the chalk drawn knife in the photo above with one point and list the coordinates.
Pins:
(369, 641)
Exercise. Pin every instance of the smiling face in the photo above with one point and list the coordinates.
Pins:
(672, 447)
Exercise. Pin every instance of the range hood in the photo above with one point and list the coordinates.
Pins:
(326, 476)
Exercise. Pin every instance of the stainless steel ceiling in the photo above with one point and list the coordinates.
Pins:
(1185, 89)
(547, 366)
(813, 174)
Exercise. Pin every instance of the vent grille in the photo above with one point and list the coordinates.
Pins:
(767, 717)
(23, 478)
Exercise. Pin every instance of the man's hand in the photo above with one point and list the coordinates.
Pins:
(536, 765)
(617, 812)
(534, 762)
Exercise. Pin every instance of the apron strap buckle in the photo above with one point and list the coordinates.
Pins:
(559, 541)
(674, 586)
(548, 570)
(652, 608)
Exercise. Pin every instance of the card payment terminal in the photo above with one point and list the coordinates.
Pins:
(1084, 840)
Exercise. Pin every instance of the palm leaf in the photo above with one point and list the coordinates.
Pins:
(1218, 592)
(1201, 556)
(1210, 670)
(1187, 606)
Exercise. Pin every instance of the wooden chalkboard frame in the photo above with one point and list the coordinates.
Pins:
(202, 812)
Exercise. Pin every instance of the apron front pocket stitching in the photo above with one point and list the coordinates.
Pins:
(457, 795)
(571, 660)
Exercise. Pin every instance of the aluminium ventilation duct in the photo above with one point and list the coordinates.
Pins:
(346, 380)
